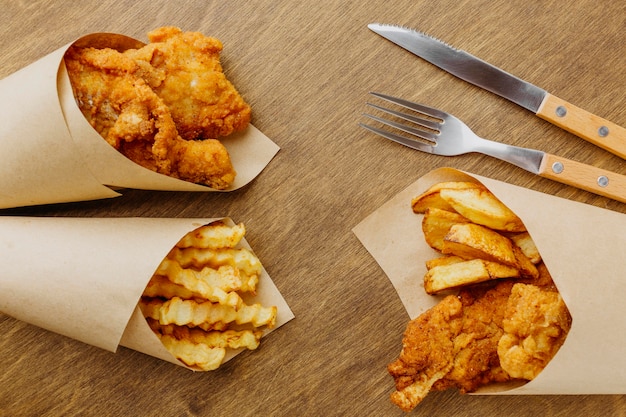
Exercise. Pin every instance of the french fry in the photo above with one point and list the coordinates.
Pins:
(432, 199)
(213, 236)
(195, 295)
(204, 282)
(527, 268)
(187, 279)
(160, 286)
(469, 240)
(436, 224)
(195, 355)
(192, 313)
(457, 274)
(244, 260)
(482, 207)
(464, 221)
(233, 339)
(527, 245)
(443, 260)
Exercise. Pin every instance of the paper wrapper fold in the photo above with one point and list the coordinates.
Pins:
(582, 247)
(83, 277)
(51, 154)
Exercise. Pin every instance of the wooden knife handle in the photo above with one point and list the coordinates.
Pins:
(588, 126)
(583, 176)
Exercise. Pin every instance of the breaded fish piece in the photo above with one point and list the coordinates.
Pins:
(184, 69)
(128, 114)
(535, 326)
(485, 334)
(452, 345)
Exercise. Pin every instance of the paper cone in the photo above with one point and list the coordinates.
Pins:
(52, 155)
(582, 247)
(83, 277)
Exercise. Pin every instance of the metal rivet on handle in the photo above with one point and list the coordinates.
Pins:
(561, 111)
(557, 167)
(603, 131)
(603, 181)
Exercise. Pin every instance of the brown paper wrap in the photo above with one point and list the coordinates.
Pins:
(582, 247)
(52, 155)
(83, 277)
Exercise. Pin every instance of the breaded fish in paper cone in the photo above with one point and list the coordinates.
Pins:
(51, 154)
(83, 277)
(583, 248)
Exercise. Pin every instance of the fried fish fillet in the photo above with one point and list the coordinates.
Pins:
(535, 325)
(483, 335)
(133, 119)
(454, 344)
(184, 69)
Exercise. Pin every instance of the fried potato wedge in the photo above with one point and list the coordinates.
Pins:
(480, 206)
(457, 274)
(470, 240)
(436, 224)
(443, 260)
(431, 197)
(527, 245)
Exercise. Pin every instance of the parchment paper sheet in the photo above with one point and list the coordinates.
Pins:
(83, 277)
(583, 248)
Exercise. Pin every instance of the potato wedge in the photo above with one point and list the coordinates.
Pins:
(525, 265)
(447, 277)
(443, 260)
(436, 224)
(470, 240)
(431, 197)
(480, 206)
(527, 245)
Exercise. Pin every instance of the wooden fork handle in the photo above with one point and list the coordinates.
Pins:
(586, 177)
(588, 126)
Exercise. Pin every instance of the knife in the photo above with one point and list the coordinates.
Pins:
(465, 66)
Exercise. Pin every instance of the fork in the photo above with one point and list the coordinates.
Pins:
(439, 133)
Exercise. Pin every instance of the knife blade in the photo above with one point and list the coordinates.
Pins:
(586, 125)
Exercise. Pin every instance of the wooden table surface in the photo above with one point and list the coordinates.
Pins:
(306, 69)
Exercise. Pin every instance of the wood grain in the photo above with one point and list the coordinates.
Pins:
(580, 122)
(306, 68)
(584, 176)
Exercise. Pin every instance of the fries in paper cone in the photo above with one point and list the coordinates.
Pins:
(580, 246)
(93, 283)
(123, 137)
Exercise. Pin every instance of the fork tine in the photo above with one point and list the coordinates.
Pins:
(412, 106)
(408, 117)
(411, 143)
(408, 129)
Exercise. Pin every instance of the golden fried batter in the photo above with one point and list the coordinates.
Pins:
(485, 334)
(535, 327)
(184, 69)
(122, 108)
(454, 344)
